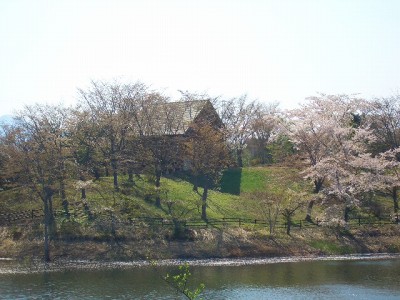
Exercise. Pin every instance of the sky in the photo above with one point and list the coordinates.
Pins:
(274, 51)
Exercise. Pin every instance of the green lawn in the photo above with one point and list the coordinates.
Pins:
(241, 194)
(233, 199)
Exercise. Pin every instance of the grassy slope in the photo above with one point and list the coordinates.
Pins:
(238, 196)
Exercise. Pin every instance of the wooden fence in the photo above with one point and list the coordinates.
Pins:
(35, 216)
(21, 217)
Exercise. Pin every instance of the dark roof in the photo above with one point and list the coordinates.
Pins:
(175, 118)
(187, 112)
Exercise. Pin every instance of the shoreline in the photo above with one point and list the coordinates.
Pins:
(16, 267)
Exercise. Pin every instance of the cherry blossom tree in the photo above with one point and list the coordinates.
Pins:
(390, 182)
(385, 123)
(325, 130)
(349, 170)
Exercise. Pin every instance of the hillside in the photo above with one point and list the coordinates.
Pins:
(127, 224)
(237, 197)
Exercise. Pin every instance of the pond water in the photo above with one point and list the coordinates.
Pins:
(324, 279)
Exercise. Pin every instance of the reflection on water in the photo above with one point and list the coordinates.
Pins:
(297, 280)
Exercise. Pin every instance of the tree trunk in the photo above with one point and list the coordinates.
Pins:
(179, 229)
(106, 171)
(195, 184)
(64, 200)
(63, 195)
(52, 221)
(158, 179)
(346, 213)
(114, 166)
(204, 203)
(65, 205)
(309, 210)
(289, 226)
(318, 185)
(48, 216)
(239, 154)
(83, 190)
(96, 173)
(83, 193)
(130, 175)
(395, 200)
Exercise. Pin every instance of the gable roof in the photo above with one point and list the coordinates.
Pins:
(180, 115)
(176, 118)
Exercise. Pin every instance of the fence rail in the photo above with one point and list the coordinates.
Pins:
(15, 218)
(35, 216)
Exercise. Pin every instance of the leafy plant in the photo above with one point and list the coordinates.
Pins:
(180, 282)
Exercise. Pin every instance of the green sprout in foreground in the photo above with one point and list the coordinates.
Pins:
(179, 282)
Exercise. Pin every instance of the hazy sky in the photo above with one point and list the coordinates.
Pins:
(272, 50)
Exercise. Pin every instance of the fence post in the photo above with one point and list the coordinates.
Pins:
(255, 221)
(359, 221)
(32, 214)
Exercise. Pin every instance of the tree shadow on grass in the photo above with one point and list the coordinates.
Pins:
(230, 181)
(355, 242)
